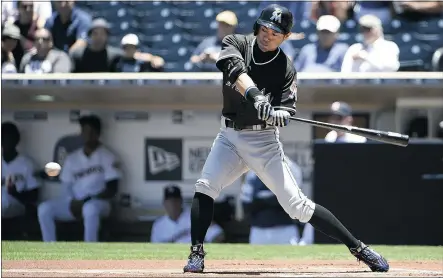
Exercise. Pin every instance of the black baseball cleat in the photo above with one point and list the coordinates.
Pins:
(371, 258)
(196, 260)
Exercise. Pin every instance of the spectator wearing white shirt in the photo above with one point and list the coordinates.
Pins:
(175, 226)
(42, 11)
(327, 54)
(341, 114)
(19, 185)
(375, 54)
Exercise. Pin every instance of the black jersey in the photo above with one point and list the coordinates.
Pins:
(272, 71)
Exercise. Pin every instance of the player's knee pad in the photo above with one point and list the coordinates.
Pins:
(90, 210)
(301, 209)
(204, 186)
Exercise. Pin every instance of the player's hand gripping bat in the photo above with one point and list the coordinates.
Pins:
(388, 137)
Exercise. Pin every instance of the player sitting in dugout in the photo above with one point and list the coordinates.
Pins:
(175, 225)
(19, 185)
(90, 176)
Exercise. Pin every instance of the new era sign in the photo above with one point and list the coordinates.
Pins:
(163, 159)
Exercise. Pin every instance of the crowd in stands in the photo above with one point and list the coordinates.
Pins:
(138, 36)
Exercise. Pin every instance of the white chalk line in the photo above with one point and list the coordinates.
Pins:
(179, 271)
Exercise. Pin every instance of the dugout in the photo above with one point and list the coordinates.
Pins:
(384, 194)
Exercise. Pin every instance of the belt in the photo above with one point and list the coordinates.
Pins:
(231, 124)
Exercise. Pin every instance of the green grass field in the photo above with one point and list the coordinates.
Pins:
(13, 250)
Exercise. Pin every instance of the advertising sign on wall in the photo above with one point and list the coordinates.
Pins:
(163, 159)
(195, 152)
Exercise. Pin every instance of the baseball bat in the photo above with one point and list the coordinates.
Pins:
(377, 135)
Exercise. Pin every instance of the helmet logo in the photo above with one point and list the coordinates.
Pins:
(276, 15)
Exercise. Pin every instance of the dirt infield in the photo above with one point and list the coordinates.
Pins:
(215, 268)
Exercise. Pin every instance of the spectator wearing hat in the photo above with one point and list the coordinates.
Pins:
(97, 55)
(341, 114)
(207, 52)
(128, 61)
(44, 58)
(175, 225)
(327, 54)
(10, 38)
(28, 26)
(69, 26)
(375, 54)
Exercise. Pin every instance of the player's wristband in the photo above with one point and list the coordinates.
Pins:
(251, 93)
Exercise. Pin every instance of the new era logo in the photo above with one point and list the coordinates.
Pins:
(161, 160)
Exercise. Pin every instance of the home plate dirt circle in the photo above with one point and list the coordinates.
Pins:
(215, 268)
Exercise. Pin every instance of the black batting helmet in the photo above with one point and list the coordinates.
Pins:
(276, 17)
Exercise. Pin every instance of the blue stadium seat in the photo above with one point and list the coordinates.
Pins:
(414, 56)
(305, 26)
(168, 41)
(348, 38)
(349, 26)
(176, 53)
(149, 5)
(155, 14)
(119, 28)
(397, 26)
(432, 26)
(160, 27)
(197, 28)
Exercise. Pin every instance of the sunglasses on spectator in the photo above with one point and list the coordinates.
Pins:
(365, 29)
(45, 39)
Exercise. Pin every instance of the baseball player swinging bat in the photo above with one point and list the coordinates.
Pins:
(377, 135)
(258, 77)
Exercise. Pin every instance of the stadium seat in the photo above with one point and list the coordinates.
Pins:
(168, 41)
(349, 26)
(149, 5)
(162, 27)
(348, 38)
(415, 56)
(432, 26)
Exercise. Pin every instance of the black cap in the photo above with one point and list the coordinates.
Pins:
(172, 191)
(276, 17)
(91, 120)
(341, 109)
(99, 23)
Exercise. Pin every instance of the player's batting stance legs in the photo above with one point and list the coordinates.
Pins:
(249, 135)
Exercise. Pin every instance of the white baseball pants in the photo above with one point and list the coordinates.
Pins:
(234, 152)
(59, 209)
(11, 207)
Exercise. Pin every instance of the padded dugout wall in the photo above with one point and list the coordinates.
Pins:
(384, 194)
